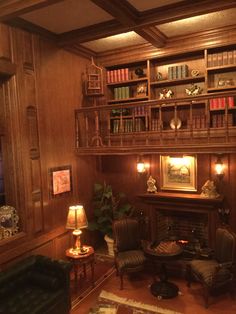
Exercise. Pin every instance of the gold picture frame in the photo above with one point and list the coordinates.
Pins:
(178, 173)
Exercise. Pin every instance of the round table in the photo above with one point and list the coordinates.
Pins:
(163, 288)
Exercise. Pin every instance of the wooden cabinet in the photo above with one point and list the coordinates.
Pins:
(199, 110)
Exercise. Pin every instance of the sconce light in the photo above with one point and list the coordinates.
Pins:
(77, 220)
(142, 167)
(219, 167)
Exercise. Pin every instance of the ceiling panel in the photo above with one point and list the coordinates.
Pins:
(199, 23)
(114, 42)
(67, 15)
(142, 5)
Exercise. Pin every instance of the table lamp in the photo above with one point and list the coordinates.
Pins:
(77, 220)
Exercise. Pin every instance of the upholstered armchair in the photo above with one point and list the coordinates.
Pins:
(217, 272)
(129, 256)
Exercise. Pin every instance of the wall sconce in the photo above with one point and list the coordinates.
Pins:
(77, 220)
(219, 167)
(142, 166)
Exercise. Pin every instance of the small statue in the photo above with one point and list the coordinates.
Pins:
(209, 190)
(166, 93)
(151, 185)
(193, 90)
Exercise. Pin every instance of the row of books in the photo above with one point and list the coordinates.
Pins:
(220, 103)
(128, 125)
(221, 58)
(218, 120)
(122, 92)
(178, 71)
(138, 111)
(119, 75)
(198, 122)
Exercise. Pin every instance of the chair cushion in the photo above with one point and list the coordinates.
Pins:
(130, 259)
(206, 271)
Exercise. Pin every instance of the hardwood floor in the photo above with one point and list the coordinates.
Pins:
(190, 300)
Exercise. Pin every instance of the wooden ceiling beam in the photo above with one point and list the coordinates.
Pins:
(141, 22)
(92, 32)
(12, 8)
(153, 36)
(182, 10)
(121, 10)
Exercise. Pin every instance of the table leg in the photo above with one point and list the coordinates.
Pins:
(163, 288)
(76, 274)
(92, 272)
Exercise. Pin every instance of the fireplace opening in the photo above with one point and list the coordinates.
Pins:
(189, 229)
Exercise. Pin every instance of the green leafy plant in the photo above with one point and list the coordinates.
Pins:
(108, 207)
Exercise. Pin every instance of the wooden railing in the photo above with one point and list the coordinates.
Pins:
(187, 124)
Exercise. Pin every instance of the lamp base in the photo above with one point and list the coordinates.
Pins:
(79, 250)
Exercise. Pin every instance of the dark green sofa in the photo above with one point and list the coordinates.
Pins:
(36, 285)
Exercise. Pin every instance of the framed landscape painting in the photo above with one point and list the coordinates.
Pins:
(61, 182)
(178, 173)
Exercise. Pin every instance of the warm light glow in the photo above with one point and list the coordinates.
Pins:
(219, 168)
(141, 167)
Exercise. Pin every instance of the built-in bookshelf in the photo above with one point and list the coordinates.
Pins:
(185, 99)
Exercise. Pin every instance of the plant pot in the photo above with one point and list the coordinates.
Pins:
(110, 245)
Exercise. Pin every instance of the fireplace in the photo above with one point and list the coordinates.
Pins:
(186, 217)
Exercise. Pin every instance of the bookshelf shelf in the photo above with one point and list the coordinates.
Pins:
(115, 101)
(216, 89)
(186, 80)
(128, 82)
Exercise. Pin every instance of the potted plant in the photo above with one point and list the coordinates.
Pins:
(108, 207)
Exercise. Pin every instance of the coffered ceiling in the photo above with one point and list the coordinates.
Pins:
(95, 26)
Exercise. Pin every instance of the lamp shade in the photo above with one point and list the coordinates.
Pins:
(76, 218)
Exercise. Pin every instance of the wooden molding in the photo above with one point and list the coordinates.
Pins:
(187, 43)
(7, 68)
(80, 50)
(32, 28)
(13, 8)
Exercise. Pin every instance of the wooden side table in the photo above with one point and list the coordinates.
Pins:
(82, 260)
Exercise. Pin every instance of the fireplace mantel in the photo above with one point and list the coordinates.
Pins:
(182, 202)
(185, 198)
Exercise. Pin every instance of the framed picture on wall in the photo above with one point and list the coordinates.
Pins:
(61, 181)
(178, 173)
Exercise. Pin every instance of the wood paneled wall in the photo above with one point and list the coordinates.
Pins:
(40, 100)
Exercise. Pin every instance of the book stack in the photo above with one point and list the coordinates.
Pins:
(121, 92)
(177, 72)
(220, 103)
(154, 124)
(119, 75)
(116, 126)
(139, 125)
(139, 111)
(218, 120)
(221, 58)
(198, 121)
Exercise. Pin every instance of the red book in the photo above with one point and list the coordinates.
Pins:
(126, 74)
(108, 77)
(231, 102)
(122, 74)
(118, 75)
(112, 76)
(115, 76)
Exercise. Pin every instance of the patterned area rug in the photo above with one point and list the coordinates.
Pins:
(109, 303)
(104, 268)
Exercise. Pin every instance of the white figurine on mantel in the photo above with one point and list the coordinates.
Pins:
(151, 185)
(209, 190)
